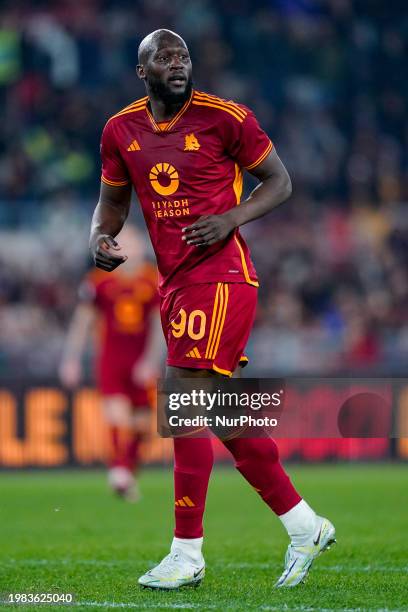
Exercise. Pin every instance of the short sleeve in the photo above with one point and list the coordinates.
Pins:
(246, 142)
(114, 171)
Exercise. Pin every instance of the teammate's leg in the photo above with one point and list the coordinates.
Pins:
(125, 434)
(140, 424)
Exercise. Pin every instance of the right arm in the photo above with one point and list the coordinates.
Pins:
(114, 202)
(108, 219)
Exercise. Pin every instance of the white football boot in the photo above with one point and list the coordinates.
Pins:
(299, 559)
(175, 571)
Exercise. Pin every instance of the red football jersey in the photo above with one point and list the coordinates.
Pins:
(125, 303)
(189, 167)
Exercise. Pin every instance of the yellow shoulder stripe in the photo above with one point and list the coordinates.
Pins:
(224, 108)
(136, 102)
(228, 103)
(135, 106)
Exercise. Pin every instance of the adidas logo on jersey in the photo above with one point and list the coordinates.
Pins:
(134, 146)
(194, 353)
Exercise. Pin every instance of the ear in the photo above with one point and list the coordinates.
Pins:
(140, 71)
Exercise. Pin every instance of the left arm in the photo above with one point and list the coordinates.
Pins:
(147, 369)
(274, 188)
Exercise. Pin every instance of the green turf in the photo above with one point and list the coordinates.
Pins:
(63, 532)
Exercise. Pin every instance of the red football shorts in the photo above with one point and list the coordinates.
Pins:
(114, 377)
(207, 326)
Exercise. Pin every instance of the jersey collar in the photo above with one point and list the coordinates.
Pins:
(172, 123)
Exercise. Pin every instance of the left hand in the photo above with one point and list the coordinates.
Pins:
(209, 229)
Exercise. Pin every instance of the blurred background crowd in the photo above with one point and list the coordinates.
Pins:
(326, 79)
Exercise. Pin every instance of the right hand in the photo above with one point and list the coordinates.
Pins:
(105, 253)
(70, 373)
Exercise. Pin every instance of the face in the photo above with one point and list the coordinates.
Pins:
(168, 72)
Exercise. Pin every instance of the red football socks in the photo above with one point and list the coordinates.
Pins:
(124, 448)
(193, 461)
(132, 451)
(115, 456)
(257, 459)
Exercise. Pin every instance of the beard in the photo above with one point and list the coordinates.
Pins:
(161, 91)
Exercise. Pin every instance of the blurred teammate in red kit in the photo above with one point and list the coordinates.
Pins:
(123, 309)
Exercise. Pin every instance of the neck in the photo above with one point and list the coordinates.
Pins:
(164, 111)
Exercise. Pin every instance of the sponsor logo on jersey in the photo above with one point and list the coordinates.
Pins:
(164, 178)
(170, 208)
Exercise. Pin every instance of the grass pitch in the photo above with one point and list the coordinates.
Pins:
(64, 532)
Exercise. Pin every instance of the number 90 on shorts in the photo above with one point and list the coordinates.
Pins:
(188, 323)
(207, 325)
